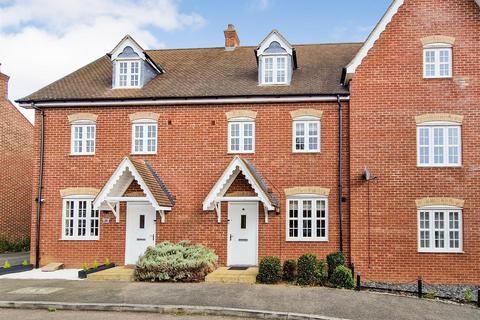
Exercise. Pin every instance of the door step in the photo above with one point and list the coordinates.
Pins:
(113, 274)
(224, 275)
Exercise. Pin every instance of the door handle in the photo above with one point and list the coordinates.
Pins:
(231, 237)
(153, 237)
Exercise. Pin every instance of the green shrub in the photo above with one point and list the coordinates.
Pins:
(289, 270)
(85, 267)
(269, 270)
(95, 264)
(14, 246)
(107, 262)
(25, 263)
(334, 260)
(176, 262)
(7, 265)
(342, 278)
(468, 295)
(321, 273)
(308, 270)
(431, 294)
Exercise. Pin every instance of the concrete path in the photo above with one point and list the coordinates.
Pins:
(15, 258)
(318, 301)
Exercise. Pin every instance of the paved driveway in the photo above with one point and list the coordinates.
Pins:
(319, 301)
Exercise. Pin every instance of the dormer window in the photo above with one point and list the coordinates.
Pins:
(275, 70)
(276, 60)
(129, 74)
(132, 67)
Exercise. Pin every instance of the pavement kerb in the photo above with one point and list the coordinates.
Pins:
(165, 309)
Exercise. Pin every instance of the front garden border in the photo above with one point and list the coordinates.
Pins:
(82, 274)
(15, 269)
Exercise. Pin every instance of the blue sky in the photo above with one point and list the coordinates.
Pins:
(300, 21)
(44, 40)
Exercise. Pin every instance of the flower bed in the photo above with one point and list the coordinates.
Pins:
(82, 274)
(15, 269)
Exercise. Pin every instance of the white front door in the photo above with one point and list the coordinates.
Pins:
(242, 249)
(140, 232)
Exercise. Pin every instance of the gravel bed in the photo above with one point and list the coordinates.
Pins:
(454, 292)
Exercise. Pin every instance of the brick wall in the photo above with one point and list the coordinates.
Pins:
(192, 154)
(387, 91)
(16, 171)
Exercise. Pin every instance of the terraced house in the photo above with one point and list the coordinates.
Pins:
(274, 149)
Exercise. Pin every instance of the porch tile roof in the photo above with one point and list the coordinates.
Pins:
(261, 182)
(154, 183)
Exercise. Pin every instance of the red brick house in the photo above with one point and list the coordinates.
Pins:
(16, 169)
(274, 149)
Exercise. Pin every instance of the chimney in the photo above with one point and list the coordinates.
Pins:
(3, 85)
(231, 38)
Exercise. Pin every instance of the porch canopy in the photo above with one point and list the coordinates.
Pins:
(153, 189)
(254, 178)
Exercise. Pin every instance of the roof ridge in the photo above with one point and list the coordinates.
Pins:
(253, 47)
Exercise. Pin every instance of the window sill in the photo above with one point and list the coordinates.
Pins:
(143, 154)
(306, 240)
(79, 239)
(240, 152)
(440, 166)
(305, 152)
(81, 154)
(440, 78)
(441, 252)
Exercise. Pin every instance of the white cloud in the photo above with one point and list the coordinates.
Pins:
(43, 40)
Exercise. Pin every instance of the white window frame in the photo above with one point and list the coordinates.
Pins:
(241, 122)
(84, 125)
(144, 123)
(306, 121)
(300, 199)
(89, 209)
(436, 49)
(129, 73)
(446, 211)
(275, 70)
(445, 125)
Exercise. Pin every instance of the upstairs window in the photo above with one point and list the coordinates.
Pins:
(128, 74)
(241, 136)
(144, 137)
(83, 138)
(437, 61)
(438, 145)
(275, 70)
(80, 221)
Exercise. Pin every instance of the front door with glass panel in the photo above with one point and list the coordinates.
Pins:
(242, 249)
(140, 230)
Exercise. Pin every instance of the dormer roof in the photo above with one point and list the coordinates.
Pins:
(128, 45)
(276, 36)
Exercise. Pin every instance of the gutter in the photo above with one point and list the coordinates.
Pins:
(186, 101)
(340, 173)
(39, 199)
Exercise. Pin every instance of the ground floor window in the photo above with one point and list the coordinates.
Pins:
(307, 219)
(80, 221)
(439, 230)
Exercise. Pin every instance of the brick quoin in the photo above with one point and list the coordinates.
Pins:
(192, 155)
(16, 168)
(387, 92)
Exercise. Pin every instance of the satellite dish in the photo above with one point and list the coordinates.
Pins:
(366, 174)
